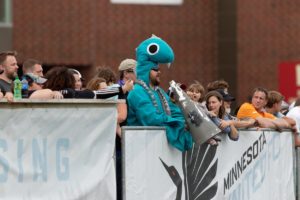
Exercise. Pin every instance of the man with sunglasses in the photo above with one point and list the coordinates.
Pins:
(155, 77)
(148, 103)
(127, 71)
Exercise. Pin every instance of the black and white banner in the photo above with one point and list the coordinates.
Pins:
(257, 166)
(57, 151)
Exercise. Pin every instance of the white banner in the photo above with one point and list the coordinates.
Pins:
(57, 151)
(258, 166)
(145, 175)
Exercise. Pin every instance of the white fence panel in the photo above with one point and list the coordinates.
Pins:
(58, 150)
(257, 166)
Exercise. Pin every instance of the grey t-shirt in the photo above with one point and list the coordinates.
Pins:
(5, 86)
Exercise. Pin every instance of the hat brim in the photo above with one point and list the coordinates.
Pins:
(40, 80)
(229, 98)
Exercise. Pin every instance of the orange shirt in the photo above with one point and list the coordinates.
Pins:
(247, 110)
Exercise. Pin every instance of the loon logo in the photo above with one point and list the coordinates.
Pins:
(173, 173)
(199, 169)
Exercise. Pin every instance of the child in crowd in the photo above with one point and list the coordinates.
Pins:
(96, 83)
(196, 92)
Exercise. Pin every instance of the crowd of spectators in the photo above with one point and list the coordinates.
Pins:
(263, 111)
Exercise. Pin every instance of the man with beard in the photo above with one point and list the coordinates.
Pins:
(148, 104)
(8, 70)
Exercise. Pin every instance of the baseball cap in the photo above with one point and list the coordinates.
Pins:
(35, 78)
(127, 64)
(225, 95)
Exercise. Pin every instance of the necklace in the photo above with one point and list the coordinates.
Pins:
(165, 104)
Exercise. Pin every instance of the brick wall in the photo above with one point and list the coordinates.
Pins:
(92, 33)
(268, 33)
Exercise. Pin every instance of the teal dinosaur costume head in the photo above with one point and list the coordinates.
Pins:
(149, 54)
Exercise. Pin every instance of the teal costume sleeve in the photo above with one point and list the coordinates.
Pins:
(143, 113)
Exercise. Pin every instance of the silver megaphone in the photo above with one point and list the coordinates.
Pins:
(200, 125)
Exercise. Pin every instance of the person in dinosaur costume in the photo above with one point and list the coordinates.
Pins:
(148, 104)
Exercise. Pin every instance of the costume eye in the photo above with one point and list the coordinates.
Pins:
(152, 48)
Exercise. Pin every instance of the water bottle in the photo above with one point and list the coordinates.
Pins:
(24, 88)
(17, 88)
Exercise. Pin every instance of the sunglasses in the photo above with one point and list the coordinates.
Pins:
(155, 69)
(130, 71)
